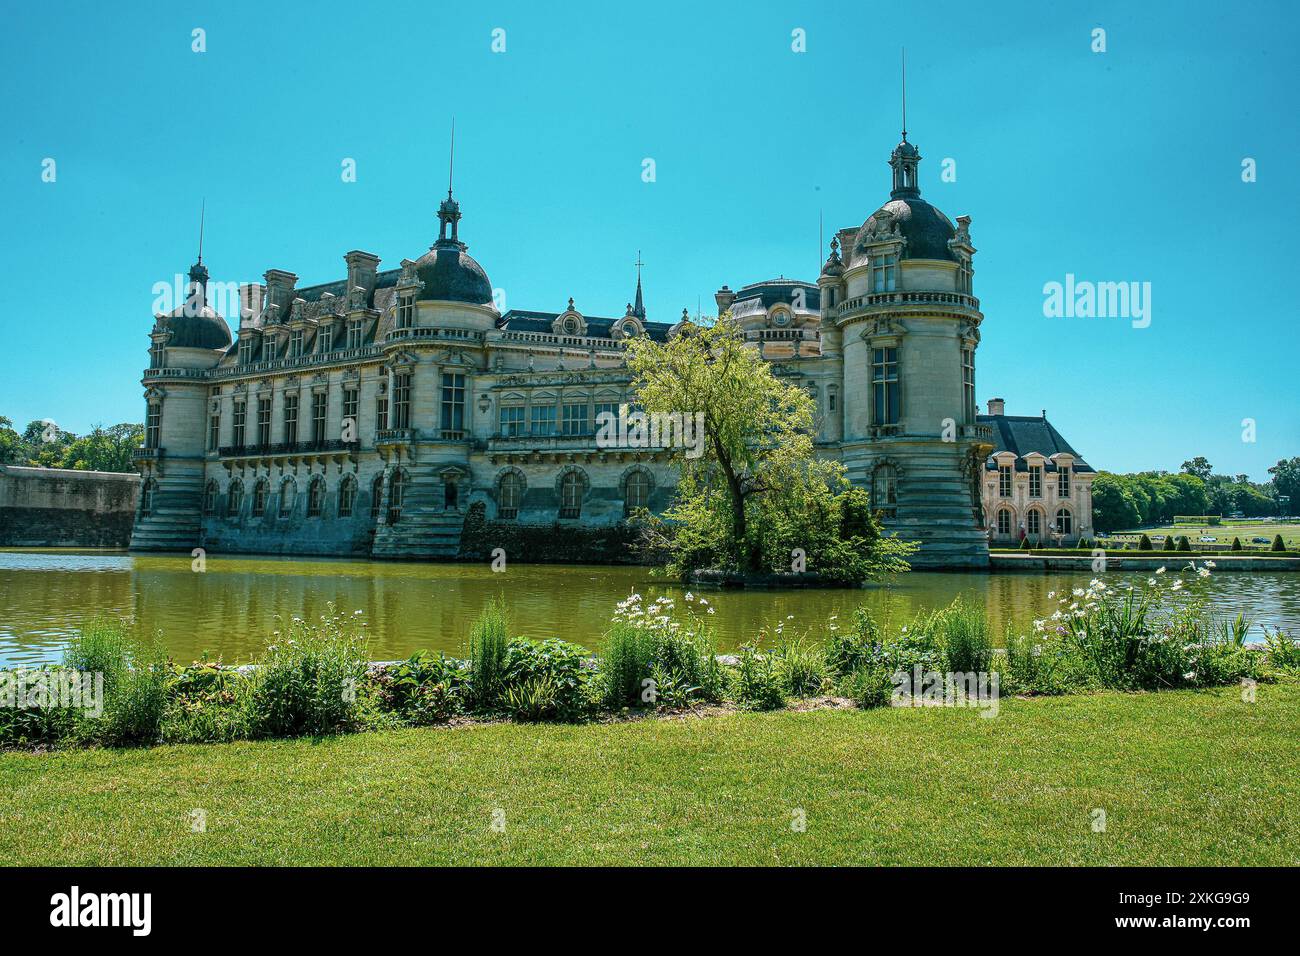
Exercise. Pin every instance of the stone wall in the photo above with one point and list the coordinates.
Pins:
(560, 542)
(56, 507)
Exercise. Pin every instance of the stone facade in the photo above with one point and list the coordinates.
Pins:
(65, 508)
(368, 416)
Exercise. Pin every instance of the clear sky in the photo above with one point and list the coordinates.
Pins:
(1117, 166)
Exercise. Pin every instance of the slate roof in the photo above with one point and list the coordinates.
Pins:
(524, 320)
(772, 291)
(1022, 434)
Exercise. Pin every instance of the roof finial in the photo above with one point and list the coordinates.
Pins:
(203, 208)
(451, 163)
(639, 308)
(904, 94)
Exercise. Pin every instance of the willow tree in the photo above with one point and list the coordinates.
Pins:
(757, 492)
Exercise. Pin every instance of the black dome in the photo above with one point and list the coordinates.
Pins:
(926, 229)
(450, 274)
(203, 330)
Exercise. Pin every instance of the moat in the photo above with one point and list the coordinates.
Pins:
(230, 609)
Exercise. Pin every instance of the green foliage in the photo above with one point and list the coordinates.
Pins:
(964, 635)
(102, 646)
(1277, 544)
(1169, 543)
(1236, 544)
(626, 662)
(650, 658)
(847, 651)
(1024, 544)
(870, 685)
(1184, 544)
(426, 688)
(1144, 542)
(1282, 650)
(1043, 666)
(307, 683)
(802, 666)
(532, 699)
(758, 683)
(552, 672)
(489, 637)
(133, 712)
(104, 449)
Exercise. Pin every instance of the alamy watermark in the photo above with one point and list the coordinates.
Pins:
(918, 688)
(629, 429)
(1084, 299)
(46, 689)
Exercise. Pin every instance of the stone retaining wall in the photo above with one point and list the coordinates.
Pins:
(57, 507)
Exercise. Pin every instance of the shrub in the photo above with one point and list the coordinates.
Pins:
(964, 635)
(1144, 543)
(532, 699)
(1040, 666)
(103, 646)
(307, 683)
(869, 686)
(133, 712)
(645, 645)
(688, 659)
(1236, 544)
(846, 651)
(1169, 543)
(626, 662)
(758, 683)
(208, 703)
(802, 666)
(1283, 651)
(1277, 544)
(425, 688)
(24, 725)
(1184, 544)
(489, 637)
(549, 677)
(1024, 544)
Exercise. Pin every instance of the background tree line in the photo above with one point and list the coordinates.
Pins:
(1155, 497)
(45, 445)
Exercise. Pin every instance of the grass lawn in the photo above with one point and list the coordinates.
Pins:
(1225, 532)
(1184, 778)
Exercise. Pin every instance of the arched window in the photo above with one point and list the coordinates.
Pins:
(347, 496)
(236, 498)
(1064, 521)
(1004, 521)
(376, 495)
(146, 497)
(288, 495)
(509, 493)
(261, 490)
(315, 497)
(884, 490)
(396, 494)
(1034, 522)
(571, 492)
(636, 491)
(210, 497)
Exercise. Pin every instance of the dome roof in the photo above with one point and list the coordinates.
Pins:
(450, 274)
(926, 229)
(196, 329)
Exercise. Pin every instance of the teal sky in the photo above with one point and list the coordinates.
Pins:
(1116, 166)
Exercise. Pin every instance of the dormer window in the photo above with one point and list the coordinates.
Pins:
(295, 343)
(355, 333)
(405, 311)
(964, 274)
(1063, 482)
(570, 326)
(246, 346)
(156, 355)
(884, 270)
(1004, 481)
(1035, 481)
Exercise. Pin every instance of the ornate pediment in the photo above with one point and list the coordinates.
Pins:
(884, 325)
(569, 322)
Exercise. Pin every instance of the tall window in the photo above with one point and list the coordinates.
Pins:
(543, 420)
(964, 276)
(214, 431)
(324, 339)
(571, 495)
(351, 406)
(1004, 521)
(1035, 481)
(1034, 522)
(968, 382)
(156, 355)
(210, 497)
(883, 269)
(1063, 481)
(153, 425)
(381, 413)
(831, 399)
(401, 417)
(511, 420)
(575, 419)
(1004, 481)
(235, 497)
(291, 417)
(315, 497)
(636, 492)
(146, 497)
(246, 346)
(884, 384)
(295, 343)
(1064, 521)
(241, 410)
(396, 496)
(288, 495)
(884, 490)
(453, 403)
(376, 495)
(355, 333)
(606, 408)
(261, 490)
(319, 404)
(347, 496)
(264, 421)
(405, 312)
(509, 494)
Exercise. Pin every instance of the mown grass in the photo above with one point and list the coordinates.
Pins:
(1185, 778)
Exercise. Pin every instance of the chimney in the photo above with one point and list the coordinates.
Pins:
(362, 267)
(251, 296)
(997, 406)
(279, 289)
(724, 297)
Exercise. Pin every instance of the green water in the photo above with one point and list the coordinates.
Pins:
(230, 609)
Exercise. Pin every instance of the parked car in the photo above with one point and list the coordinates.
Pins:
(1258, 540)
(1208, 539)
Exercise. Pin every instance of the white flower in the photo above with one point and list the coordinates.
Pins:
(690, 596)
(789, 617)
(712, 611)
(1050, 595)
(1077, 592)
(1160, 570)
(703, 603)
(1209, 564)
(1151, 581)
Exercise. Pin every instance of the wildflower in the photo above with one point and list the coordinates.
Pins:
(1151, 581)
(703, 603)
(789, 617)
(712, 611)
(1209, 564)
(690, 596)
(1160, 570)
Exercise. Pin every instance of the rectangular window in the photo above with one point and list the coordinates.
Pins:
(153, 425)
(512, 421)
(883, 269)
(291, 417)
(238, 423)
(602, 408)
(1004, 481)
(264, 421)
(246, 351)
(354, 333)
(1063, 482)
(968, 383)
(381, 413)
(884, 383)
(401, 417)
(214, 431)
(453, 404)
(575, 419)
(831, 399)
(405, 312)
(543, 420)
(324, 339)
(156, 355)
(295, 343)
(351, 404)
(1035, 481)
(319, 406)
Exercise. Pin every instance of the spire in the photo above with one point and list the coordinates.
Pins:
(198, 296)
(638, 308)
(449, 209)
(906, 157)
